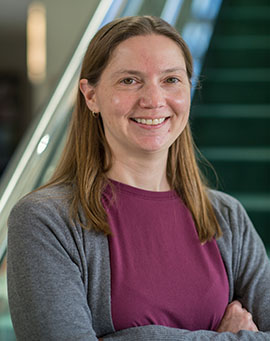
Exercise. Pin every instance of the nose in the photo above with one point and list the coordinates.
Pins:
(152, 97)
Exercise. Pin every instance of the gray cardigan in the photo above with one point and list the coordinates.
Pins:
(59, 274)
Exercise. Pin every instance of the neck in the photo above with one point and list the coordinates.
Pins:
(147, 172)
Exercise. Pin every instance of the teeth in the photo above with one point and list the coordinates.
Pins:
(149, 122)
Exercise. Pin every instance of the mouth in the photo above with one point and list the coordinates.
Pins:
(149, 121)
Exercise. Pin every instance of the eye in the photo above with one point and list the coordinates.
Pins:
(128, 81)
(172, 80)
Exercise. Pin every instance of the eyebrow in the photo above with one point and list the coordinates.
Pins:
(139, 73)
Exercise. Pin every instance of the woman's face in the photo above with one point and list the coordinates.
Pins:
(143, 95)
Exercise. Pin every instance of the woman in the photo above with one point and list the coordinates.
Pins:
(126, 242)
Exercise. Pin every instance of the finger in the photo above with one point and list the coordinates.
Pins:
(236, 303)
(249, 316)
(254, 328)
(235, 307)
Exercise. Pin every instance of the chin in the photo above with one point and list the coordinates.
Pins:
(154, 148)
(153, 145)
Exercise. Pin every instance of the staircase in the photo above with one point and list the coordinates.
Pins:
(230, 116)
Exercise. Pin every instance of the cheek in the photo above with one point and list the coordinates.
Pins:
(120, 105)
(115, 101)
(181, 104)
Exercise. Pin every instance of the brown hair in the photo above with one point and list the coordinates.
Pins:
(87, 156)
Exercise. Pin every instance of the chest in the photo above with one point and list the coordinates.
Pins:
(160, 272)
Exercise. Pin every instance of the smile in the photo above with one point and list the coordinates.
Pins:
(148, 121)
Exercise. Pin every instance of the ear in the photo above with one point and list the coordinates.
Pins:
(89, 93)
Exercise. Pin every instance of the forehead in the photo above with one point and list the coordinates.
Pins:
(147, 51)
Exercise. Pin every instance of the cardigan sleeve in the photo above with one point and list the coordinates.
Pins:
(160, 333)
(252, 269)
(246, 260)
(47, 296)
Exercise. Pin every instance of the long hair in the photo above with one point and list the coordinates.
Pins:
(87, 156)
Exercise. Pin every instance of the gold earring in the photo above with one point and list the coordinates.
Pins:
(95, 114)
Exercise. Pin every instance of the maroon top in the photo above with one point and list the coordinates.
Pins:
(160, 272)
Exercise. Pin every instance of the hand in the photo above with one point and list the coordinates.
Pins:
(236, 318)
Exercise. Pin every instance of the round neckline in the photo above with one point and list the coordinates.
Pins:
(124, 188)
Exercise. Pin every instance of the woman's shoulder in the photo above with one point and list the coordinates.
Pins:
(45, 202)
(48, 195)
(224, 202)
(229, 211)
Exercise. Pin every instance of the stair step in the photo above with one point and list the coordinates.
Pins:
(242, 86)
(230, 125)
(238, 154)
(231, 24)
(248, 13)
(238, 176)
(233, 57)
(230, 131)
(255, 202)
(232, 111)
(234, 92)
(243, 175)
(251, 3)
(236, 75)
(254, 28)
(238, 41)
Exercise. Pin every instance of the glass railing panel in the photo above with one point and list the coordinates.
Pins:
(6, 330)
